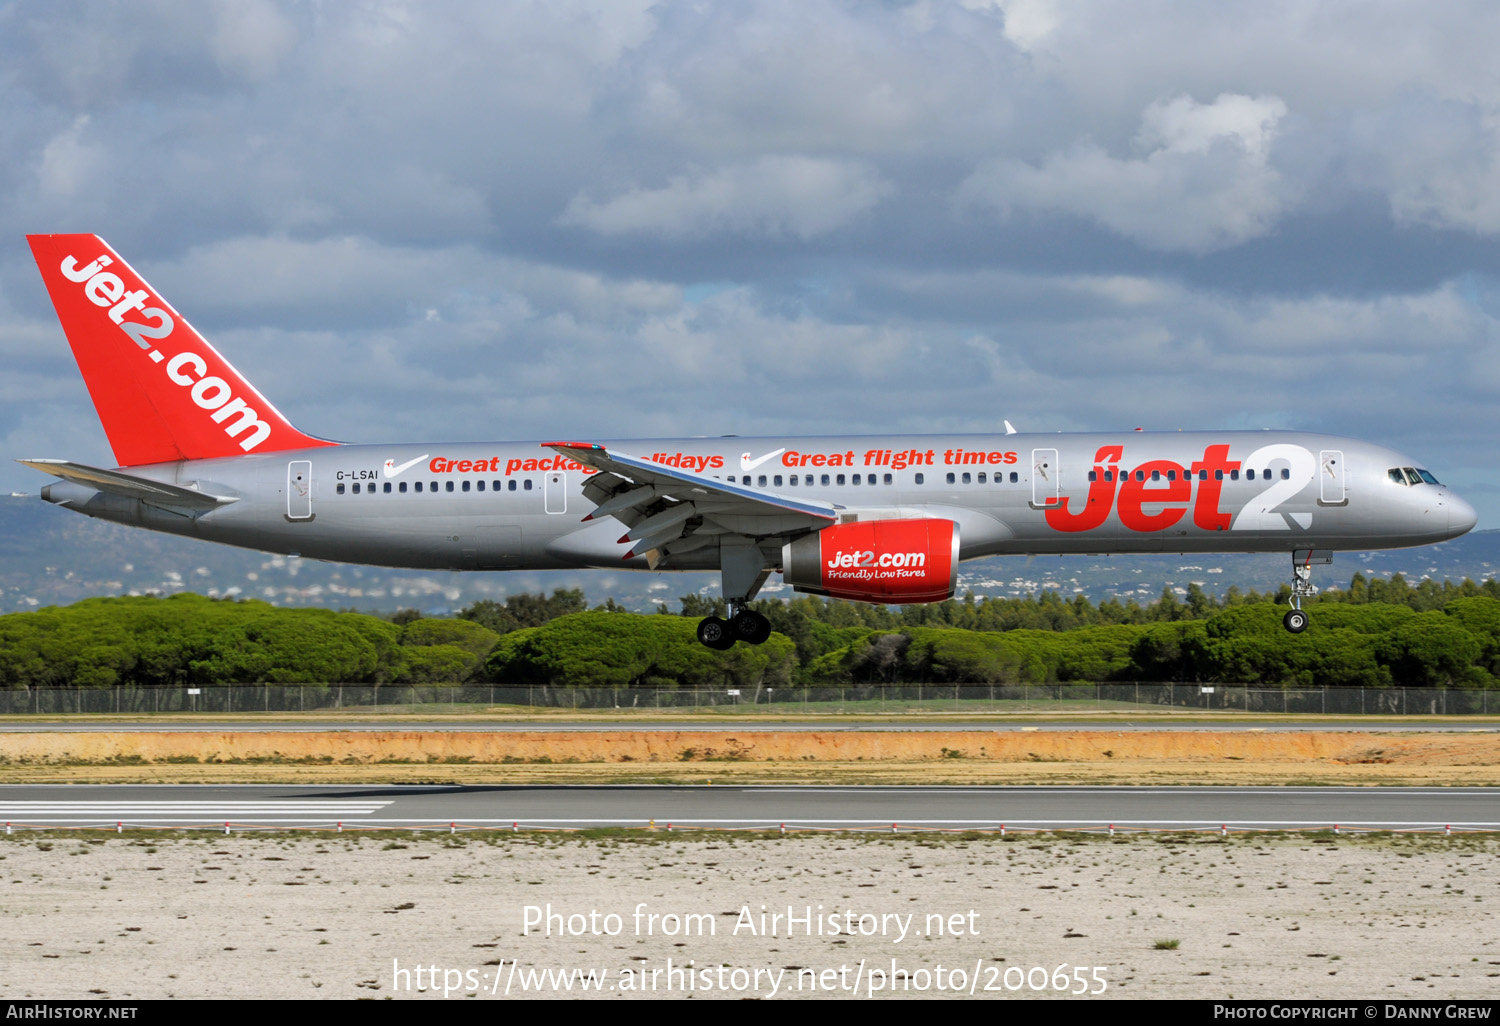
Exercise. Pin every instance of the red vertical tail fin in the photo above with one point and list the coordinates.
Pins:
(162, 392)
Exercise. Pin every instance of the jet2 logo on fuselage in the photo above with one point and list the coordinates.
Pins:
(747, 464)
(391, 470)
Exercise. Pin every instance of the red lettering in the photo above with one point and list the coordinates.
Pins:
(435, 465)
(511, 466)
(1135, 493)
(1101, 496)
(1206, 512)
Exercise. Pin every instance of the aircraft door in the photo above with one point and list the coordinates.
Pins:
(555, 492)
(1331, 478)
(299, 490)
(1044, 478)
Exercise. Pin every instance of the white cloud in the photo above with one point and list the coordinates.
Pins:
(252, 37)
(773, 196)
(1454, 182)
(1204, 182)
(67, 162)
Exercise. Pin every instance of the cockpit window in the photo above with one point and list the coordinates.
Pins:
(1426, 476)
(1395, 475)
(1411, 476)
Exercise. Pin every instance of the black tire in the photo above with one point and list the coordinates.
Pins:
(750, 627)
(1295, 621)
(714, 632)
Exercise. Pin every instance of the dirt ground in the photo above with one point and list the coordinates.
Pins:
(341, 916)
(1098, 756)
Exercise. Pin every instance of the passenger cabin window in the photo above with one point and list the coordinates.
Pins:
(889, 479)
(450, 486)
(776, 480)
(825, 479)
(982, 478)
(1286, 473)
(419, 486)
(401, 487)
(466, 486)
(356, 488)
(528, 484)
(386, 488)
(340, 488)
(967, 479)
(840, 479)
(479, 485)
(919, 478)
(1093, 475)
(510, 485)
(1234, 475)
(951, 479)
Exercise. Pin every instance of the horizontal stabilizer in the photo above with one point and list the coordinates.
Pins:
(117, 483)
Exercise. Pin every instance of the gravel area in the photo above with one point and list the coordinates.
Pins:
(343, 916)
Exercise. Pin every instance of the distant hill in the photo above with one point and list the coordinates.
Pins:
(49, 556)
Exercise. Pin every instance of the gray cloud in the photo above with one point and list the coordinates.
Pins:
(772, 196)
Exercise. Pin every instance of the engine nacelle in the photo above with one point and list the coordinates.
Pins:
(897, 561)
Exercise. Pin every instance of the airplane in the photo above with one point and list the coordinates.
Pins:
(881, 518)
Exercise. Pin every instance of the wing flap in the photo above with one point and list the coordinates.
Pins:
(686, 486)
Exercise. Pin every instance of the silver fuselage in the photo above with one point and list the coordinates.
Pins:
(519, 505)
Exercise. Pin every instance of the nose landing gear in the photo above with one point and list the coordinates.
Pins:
(1295, 620)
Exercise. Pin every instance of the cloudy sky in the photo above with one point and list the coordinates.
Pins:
(411, 221)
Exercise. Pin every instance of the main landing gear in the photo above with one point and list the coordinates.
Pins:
(745, 625)
(1295, 620)
(744, 571)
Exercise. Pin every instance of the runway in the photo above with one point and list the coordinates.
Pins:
(766, 807)
(96, 725)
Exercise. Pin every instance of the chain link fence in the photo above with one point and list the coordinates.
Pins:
(868, 699)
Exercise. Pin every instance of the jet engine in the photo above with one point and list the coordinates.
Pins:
(898, 561)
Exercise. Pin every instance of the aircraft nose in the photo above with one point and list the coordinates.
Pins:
(1461, 516)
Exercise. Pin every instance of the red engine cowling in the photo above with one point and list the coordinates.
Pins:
(895, 561)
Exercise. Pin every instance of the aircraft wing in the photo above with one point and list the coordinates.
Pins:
(132, 487)
(668, 509)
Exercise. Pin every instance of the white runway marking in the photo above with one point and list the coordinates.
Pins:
(25, 811)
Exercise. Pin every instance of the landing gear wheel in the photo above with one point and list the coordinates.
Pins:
(715, 633)
(1295, 621)
(750, 626)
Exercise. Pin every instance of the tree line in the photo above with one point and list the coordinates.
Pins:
(1376, 633)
